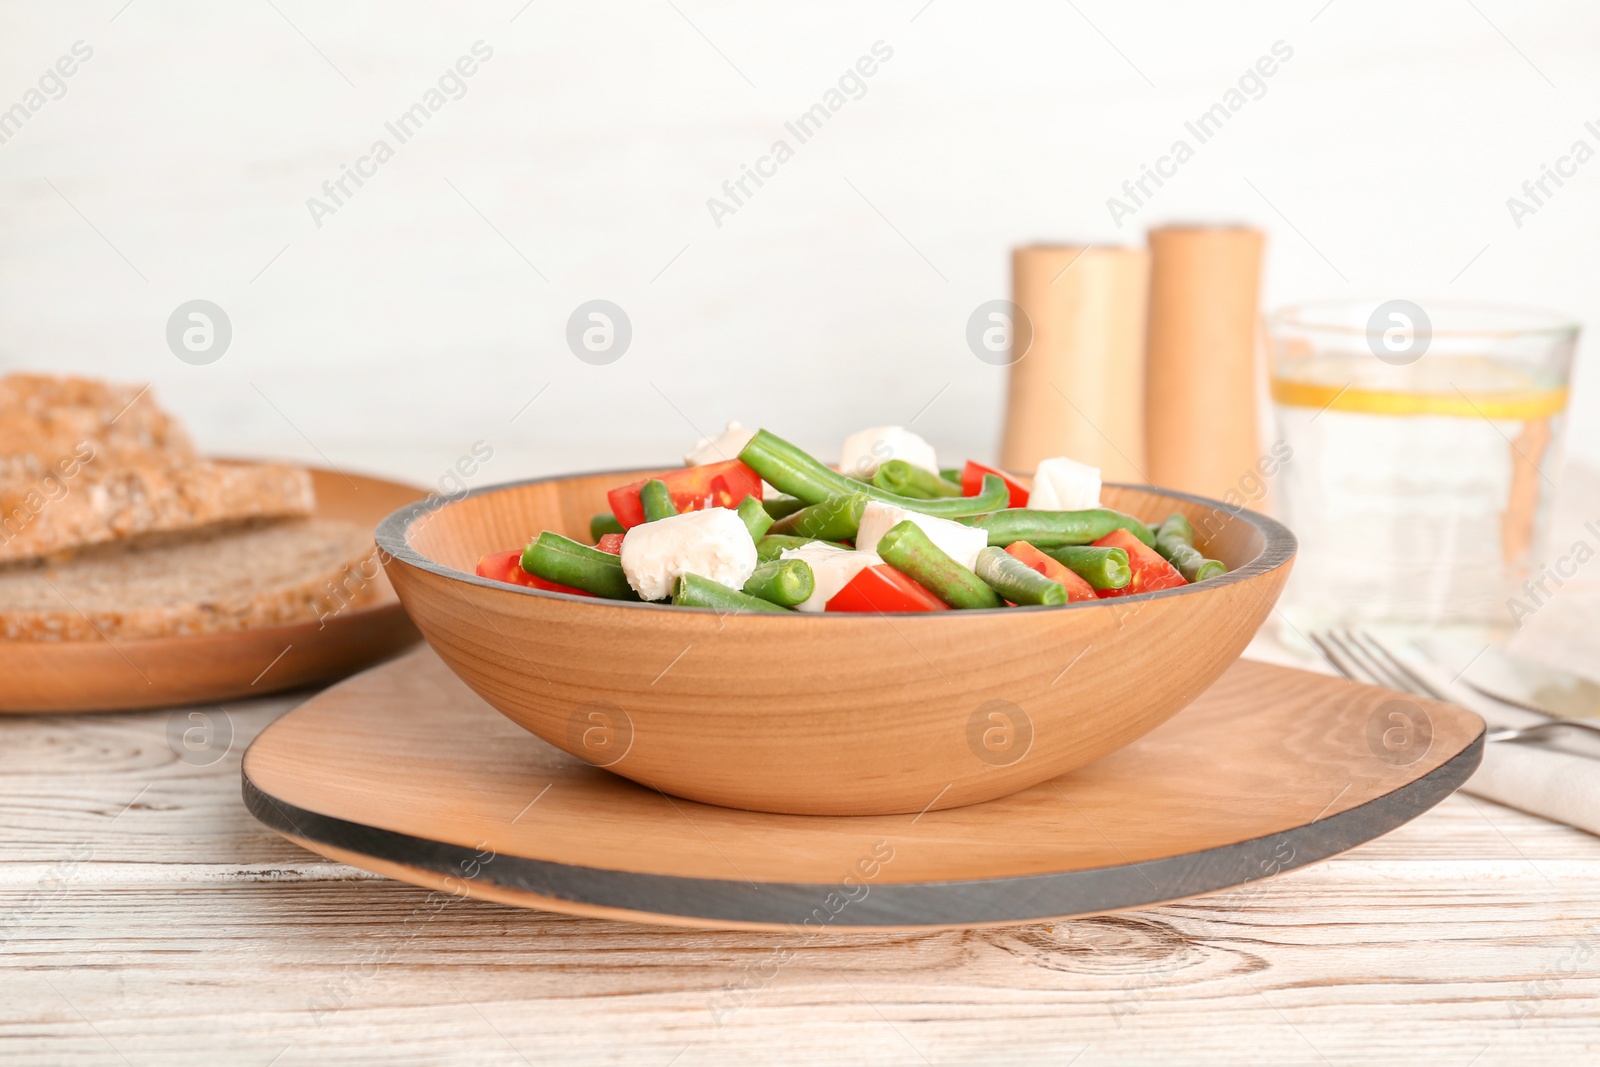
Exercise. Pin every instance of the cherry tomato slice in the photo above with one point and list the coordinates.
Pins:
(1077, 587)
(1150, 571)
(882, 588)
(507, 567)
(972, 483)
(711, 485)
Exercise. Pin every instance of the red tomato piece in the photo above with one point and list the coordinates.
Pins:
(611, 543)
(507, 567)
(972, 483)
(710, 485)
(1150, 570)
(1077, 587)
(882, 588)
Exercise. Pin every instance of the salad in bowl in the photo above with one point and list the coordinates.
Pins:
(753, 523)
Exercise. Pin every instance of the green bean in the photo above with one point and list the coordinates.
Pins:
(771, 546)
(834, 519)
(1016, 581)
(561, 559)
(1103, 568)
(785, 582)
(656, 499)
(755, 517)
(1178, 526)
(693, 591)
(898, 476)
(604, 523)
(1175, 542)
(951, 474)
(905, 547)
(779, 506)
(794, 472)
(1047, 529)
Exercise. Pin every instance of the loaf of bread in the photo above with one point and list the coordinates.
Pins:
(85, 463)
(233, 579)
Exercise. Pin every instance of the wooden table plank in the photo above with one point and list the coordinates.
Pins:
(188, 933)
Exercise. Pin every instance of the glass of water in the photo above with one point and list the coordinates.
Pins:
(1424, 442)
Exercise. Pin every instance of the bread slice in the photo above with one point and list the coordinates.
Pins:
(237, 579)
(61, 514)
(44, 419)
(86, 463)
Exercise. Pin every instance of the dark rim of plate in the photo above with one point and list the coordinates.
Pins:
(392, 538)
(974, 902)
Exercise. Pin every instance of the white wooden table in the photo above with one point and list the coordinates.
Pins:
(145, 918)
(149, 920)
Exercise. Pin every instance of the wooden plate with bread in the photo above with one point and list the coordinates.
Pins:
(135, 574)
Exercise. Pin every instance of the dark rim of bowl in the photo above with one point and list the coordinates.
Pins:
(1280, 546)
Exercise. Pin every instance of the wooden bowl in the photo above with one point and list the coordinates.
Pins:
(824, 714)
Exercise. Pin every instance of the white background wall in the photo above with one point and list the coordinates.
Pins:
(179, 161)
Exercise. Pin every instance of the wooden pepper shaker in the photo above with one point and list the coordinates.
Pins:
(1079, 390)
(1201, 433)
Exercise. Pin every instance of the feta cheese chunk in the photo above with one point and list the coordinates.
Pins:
(865, 450)
(1063, 484)
(714, 544)
(726, 445)
(961, 543)
(832, 568)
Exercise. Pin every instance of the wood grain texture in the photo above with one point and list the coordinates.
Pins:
(179, 931)
(825, 714)
(103, 675)
(404, 770)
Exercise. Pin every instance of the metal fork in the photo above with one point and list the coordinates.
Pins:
(1361, 657)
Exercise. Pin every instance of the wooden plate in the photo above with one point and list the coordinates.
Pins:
(206, 668)
(405, 771)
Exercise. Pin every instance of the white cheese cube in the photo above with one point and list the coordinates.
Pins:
(725, 445)
(961, 543)
(865, 450)
(832, 568)
(714, 544)
(1063, 484)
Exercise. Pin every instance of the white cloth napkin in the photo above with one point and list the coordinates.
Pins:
(1558, 779)
(1553, 785)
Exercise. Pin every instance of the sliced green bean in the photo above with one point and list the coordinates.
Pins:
(772, 546)
(1175, 542)
(785, 582)
(906, 548)
(561, 559)
(834, 519)
(604, 523)
(795, 472)
(755, 517)
(779, 506)
(656, 499)
(951, 474)
(1103, 568)
(898, 476)
(1177, 525)
(693, 591)
(1047, 529)
(1016, 581)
